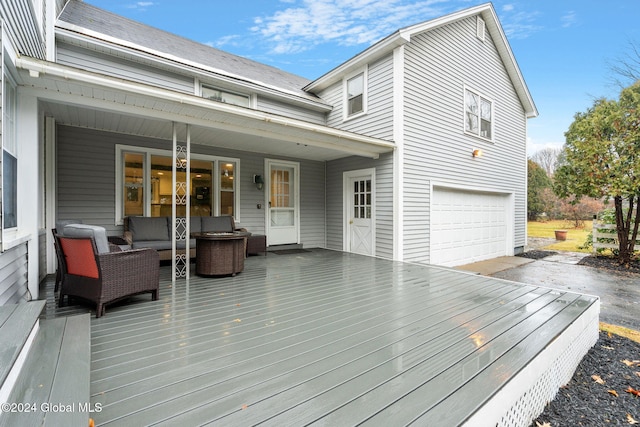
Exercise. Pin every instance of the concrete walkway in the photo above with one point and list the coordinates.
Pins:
(619, 292)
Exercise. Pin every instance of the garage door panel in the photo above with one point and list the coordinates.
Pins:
(468, 226)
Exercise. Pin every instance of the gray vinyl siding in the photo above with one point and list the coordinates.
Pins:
(383, 207)
(283, 109)
(89, 60)
(438, 66)
(86, 182)
(22, 25)
(378, 122)
(13, 275)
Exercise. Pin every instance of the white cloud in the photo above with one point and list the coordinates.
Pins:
(569, 19)
(345, 22)
(142, 5)
(507, 8)
(519, 24)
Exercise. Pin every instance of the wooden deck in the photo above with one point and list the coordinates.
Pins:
(335, 339)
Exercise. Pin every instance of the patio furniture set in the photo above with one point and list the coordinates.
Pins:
(104, 269)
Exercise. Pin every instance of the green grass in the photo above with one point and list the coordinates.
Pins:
(575, 236)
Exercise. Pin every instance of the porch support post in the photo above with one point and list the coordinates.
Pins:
(180, 197)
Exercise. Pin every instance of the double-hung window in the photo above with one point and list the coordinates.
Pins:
(478, 115)
(355, 89)
(9, 155)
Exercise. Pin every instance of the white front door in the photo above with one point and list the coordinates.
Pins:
(360, 211)
(283, 206)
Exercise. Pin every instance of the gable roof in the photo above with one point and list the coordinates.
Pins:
(86, 20)
(403, 36)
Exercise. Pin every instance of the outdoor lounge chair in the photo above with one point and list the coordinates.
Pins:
(96, 271)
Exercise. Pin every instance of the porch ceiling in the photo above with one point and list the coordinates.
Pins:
(79, 98)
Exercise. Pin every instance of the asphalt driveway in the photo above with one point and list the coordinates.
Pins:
(619, 292)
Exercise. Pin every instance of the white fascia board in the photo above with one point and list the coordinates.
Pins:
(378, 50)
(70, 33)
(319, 135)
(509, 60)
(404, 35)
(502, 44)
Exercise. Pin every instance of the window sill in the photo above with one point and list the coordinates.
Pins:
(482, 138)
(13, 241)
(353, 117)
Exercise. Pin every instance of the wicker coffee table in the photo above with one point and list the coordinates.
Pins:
(219, 254)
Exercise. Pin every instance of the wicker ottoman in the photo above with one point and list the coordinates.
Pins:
(220, 254)
(256, 244)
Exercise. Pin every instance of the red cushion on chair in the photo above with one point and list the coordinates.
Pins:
(79, 256)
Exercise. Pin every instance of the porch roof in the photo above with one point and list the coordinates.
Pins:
(86, 99)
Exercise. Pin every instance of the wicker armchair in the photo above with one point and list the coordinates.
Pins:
(104, 278)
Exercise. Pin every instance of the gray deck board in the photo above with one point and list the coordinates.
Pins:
(325, 336)
(56, 372)
(16, 325)
(36, 387)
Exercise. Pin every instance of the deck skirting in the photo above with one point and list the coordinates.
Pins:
(528, 392)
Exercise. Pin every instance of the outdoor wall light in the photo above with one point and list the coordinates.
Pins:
(476, 153)
(258, 181)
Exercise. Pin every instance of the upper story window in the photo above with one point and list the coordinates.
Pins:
(220, 95)
(355, 89)
(478, 115)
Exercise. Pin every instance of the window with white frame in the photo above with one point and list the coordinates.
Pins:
(478, 115)
(221, 95)
(144, 183)
(355, 89)
(9, 155)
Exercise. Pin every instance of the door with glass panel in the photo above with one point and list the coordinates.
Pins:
(282, 196)
(359, 212)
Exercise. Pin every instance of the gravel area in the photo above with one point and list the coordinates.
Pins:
(611, 264)
(537, 254)
(603, 390)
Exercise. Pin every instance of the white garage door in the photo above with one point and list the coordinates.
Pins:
(468, 226)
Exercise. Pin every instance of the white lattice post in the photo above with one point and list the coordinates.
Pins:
(181, 197)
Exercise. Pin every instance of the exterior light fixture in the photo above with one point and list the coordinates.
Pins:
(258, 181)
(476, 153)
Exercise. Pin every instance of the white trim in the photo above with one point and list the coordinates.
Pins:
(231, 117)
(347, 203)
(50, 189)
(148, 152)
(398, 155)
(345, 94)
(404, 35)
(464, 115)
(511, 210)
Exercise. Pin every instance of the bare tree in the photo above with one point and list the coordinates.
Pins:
(626, 68)
(547, 158)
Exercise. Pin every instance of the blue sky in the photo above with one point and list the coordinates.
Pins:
(564, 47)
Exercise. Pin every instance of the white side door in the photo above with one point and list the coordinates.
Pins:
(359, 191)
(283, 219)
